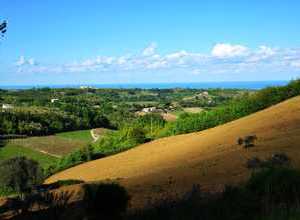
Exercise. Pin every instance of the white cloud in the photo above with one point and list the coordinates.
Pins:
(266, 51)
(23, 61)
(262, 53)
(295, 63)
(31, 61)
(223, 58)
(177, 55)
(150, 50)
(222, 50)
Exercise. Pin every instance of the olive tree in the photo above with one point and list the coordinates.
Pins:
(20, 174)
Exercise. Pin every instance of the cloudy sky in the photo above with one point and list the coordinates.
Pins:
(139, 41)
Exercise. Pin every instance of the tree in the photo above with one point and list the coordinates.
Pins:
(3, 28)
(135, 135)
(20, 174)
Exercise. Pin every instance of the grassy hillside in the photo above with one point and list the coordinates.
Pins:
(11, 150)
(47, 150)
(82, 135)
(53, 144)
(211, 158)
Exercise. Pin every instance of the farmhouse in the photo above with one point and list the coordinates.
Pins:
(54, 100)
(149, 109)
(153, 110)
(7, 106)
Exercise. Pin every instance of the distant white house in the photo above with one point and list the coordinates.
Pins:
(149, 109)
(54, 100)
(205, 93)
(85, 87)
(7, 106)
(153, 110)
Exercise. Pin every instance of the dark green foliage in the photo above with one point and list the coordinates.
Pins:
(6, 191)
(134, 135)
(76, 157)
(276, 187)
(43, 121)
(105, 200)
(3, 142)
(235, 203)
(127, 137)
(150, 123)
(20, 174)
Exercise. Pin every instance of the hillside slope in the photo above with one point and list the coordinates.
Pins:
(211, 158)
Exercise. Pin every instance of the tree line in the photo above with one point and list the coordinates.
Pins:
(237, 108)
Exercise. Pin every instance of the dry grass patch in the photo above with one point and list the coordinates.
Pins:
(53, 145)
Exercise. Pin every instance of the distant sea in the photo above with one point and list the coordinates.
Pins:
(195, 85)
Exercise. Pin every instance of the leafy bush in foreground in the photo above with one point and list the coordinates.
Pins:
(20, 174)
(276, 186)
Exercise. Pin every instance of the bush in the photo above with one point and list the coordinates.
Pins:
(135, 135)
(276, 186)
(74, 158)
(20, 174)
(6, 191)
(107, 200)
(114, 142)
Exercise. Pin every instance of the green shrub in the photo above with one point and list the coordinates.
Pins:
(114, 142)
(6, 191)
(20, 174)
(76, 157)
(276, 186)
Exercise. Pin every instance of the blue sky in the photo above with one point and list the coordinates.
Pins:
(139, 41)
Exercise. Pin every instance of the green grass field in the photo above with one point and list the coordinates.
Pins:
(47, 149)
(82, 135)
(10, 150)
